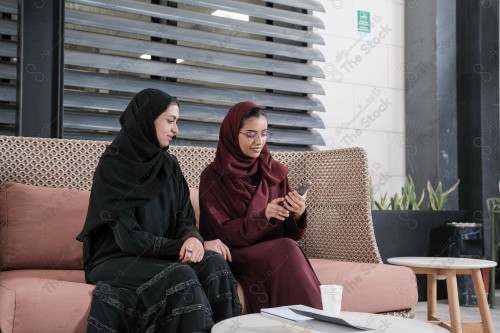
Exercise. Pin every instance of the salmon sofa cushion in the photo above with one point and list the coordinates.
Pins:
(369, 287)
(44, 301)
(38, 226)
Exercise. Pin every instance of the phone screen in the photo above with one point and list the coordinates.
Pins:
(302, 188)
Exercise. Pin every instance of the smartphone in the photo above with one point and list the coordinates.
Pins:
(302, 188)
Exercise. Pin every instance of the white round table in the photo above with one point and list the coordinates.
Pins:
(265, 323)
(449, 268)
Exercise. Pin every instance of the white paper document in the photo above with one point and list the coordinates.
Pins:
(302, 312)
(285, 312)
(325, 316)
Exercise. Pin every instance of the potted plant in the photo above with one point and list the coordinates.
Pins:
(403, 229)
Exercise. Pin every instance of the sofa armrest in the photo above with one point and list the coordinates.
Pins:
(370, 287)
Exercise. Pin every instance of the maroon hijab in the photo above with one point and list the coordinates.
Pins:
(233, 166)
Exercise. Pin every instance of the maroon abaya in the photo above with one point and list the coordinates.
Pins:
(267, 261)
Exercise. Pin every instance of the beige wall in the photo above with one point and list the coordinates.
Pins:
(364, 86)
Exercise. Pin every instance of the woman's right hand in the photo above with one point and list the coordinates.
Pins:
(273, 209)
(192, 251)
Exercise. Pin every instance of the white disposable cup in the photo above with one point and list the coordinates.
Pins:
(331, 297)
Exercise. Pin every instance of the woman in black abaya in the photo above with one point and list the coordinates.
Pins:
(141, 245)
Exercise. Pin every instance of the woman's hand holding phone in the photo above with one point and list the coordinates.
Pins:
(302, 188)
(295, 201)
(275, 210)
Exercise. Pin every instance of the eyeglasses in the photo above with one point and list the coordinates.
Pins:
(252, 135)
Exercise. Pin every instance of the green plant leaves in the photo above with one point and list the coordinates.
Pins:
(409, 199)
(438, 198)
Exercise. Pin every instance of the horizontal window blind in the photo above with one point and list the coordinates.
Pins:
(8, 45)
(210, 54)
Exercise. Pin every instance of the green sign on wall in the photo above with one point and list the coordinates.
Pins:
(363, 21)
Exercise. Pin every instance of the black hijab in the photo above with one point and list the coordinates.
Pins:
(133, 169)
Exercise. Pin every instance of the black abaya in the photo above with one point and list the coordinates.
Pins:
(141, 284)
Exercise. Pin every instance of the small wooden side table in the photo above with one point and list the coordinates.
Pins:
(450, 267)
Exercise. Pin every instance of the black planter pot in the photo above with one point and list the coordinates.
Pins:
(415, 233)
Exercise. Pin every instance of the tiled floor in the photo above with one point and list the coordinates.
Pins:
(468, 314)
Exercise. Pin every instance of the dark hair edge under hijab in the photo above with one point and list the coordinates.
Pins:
(255, 112)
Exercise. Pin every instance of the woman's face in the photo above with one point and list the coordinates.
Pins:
(166, 125)
(252, 147)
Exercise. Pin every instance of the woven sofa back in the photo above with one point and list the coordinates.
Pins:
(339, 215)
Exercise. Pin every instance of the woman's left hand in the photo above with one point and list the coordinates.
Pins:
(295, 203)
(192, 251)
(216, 245)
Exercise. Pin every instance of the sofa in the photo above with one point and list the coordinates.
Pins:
(44, 192)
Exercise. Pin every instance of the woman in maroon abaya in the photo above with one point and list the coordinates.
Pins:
(247, 202)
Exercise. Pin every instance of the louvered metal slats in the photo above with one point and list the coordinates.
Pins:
(116, 43)
(7, 115)
(267, 13)
(193, 36)
(304, 4)
(218, 69)
(189, 73)
(122, 83)
(7, 93)
(174, 14)
(188, 130)
(190, 111)
(7, 71)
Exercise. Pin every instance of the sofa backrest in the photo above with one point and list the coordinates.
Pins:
(339, 211)
(38, 226)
